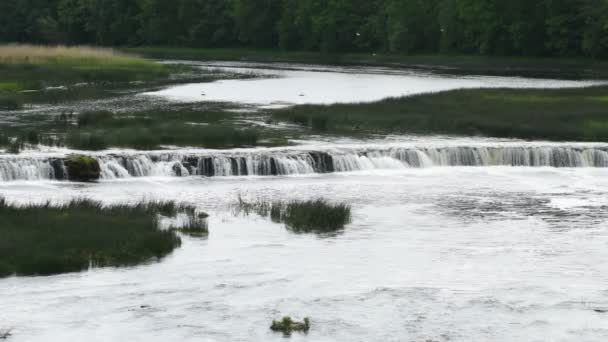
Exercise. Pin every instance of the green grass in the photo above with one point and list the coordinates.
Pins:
(150, 130)
(456, 64)
(314, 216)
(565, 114)
(33, 74)
(46, 239)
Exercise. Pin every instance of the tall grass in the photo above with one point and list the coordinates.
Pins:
(149, 130)
(48, 239)
(28, 71)
(563, 114)
(78, 56)
(313, 216)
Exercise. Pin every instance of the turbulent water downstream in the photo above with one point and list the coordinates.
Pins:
(452, 239)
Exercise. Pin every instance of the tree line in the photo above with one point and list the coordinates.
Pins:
(486, 27)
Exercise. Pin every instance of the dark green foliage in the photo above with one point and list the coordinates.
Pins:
(287, 326)
(487, 27)
(46, 239)
(566, 114)
(315, 216)
(82, 168)
(151, 130)
(10, 102)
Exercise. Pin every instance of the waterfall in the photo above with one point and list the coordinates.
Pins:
(297, 162)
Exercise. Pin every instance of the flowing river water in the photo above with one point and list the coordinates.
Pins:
(452, 239)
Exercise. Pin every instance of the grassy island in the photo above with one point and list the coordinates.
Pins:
(47, 239)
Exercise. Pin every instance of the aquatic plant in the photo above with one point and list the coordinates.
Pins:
(195, 225)
(5, 334)
(10, 102)
(555, 114)
(46, 239)
(82, 168)
(287, 326)
(313, 216)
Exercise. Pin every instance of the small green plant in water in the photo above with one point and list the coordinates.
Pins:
(287, 326)
(196, 226)
(314, 216)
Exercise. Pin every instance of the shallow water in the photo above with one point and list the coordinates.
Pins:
(288, 84)
(456, 253)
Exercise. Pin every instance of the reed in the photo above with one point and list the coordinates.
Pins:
(45, 239)
(79, 56)
(562, 114)
(313, 216)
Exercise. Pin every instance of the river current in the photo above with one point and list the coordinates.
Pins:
(452, 239)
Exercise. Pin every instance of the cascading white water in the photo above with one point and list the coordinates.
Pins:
(16, 168)
(298, 161)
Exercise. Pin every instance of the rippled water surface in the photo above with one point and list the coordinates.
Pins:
(457, 253)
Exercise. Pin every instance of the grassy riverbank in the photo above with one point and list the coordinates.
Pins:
(565, 114)
(45, 239)
(145, 130)
(455, 64)
(35, 73)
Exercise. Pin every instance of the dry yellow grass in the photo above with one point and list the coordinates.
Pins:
(80, 55)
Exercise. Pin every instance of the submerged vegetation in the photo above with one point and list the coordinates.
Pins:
(561, 114)
(47, 239)
(314, 216)
(287, 326)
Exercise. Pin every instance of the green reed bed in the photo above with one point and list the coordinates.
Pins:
(152, 129)
(563, 114)
(48, 239)
(313, 216)
(46, 74)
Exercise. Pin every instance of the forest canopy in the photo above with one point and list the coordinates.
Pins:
(484, 27)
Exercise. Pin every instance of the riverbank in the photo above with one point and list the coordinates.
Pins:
(36, 74)
(569, 68)
(559, 114)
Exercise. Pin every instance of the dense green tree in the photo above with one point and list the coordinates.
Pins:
(488, 27)
(256, 21)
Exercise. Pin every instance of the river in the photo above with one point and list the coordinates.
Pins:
(452, 238)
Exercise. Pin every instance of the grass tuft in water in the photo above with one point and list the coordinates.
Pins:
(47, 239)
(5, 334)
(314, 216)
(288, 326)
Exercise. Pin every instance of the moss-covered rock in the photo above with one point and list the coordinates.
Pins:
(82, 168)
(288, 326)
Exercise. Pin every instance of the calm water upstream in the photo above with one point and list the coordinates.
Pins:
(452, 239)
(287, 84)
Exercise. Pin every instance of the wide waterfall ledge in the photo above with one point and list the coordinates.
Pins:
(305, 160)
